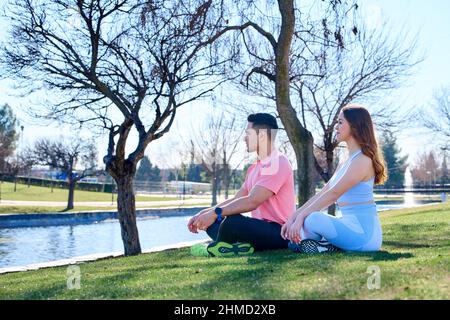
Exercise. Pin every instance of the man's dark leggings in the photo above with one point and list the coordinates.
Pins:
(262, 235)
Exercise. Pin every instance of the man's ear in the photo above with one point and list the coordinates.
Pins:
(263, 134)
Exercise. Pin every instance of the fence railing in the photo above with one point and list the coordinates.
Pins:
(150, 187)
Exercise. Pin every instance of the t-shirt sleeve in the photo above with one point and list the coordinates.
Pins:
(276, 178)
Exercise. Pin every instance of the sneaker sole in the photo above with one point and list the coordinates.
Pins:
(313, 246)
(224, 249)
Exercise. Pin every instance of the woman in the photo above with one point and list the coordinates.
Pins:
(358, 229)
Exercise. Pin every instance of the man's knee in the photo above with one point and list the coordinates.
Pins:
(231, 222)
(229, 226)
(213, 230)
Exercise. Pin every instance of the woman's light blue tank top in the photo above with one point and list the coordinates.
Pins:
(361, 192)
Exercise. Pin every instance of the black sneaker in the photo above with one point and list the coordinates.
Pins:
(313, 246)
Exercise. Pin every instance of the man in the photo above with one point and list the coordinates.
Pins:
(268, 192)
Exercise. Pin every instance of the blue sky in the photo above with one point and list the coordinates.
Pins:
(430, 19)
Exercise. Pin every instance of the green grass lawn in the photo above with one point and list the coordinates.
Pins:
(34, 193)
(414, 264)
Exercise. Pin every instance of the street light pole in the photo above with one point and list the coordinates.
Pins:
(21, 136)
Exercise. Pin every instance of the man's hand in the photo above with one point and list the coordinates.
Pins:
(205, 220)
(191, 224)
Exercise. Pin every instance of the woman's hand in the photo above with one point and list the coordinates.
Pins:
(294, 229)
(286, 226)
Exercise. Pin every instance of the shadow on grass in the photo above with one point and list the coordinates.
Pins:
(177, 275)
(51, 292)
(380, 255)
(256, 279)
(27, 288)
(375, 255)
(408, 244)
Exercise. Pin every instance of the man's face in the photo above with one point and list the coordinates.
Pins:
(251, 138)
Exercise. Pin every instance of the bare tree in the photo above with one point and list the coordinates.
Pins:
(123, 66)
(267, 68)
(328, 58)
(367, 65)
(215, 146)
(66, 157)
(426, 169)
(14, 165)
(231, 138)
(436, 117)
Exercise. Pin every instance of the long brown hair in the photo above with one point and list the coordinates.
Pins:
(363, 131)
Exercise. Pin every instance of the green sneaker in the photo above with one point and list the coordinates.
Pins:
(224, 249)
(199, 250)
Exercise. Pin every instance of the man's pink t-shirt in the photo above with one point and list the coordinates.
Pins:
(273, 173)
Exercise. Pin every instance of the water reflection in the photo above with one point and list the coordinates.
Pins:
(40, 244)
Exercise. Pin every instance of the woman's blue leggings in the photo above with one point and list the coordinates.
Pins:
(358, 229)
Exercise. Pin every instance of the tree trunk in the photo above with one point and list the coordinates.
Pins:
(300, 138)
(330, 170)
(226, 174)
(214, 185)
(71, 194)
(219, 183)
(126, 207)
(226, 180)
(303, 147)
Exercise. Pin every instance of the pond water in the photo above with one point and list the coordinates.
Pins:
(23, 246)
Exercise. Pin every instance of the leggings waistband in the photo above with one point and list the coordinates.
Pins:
(369, 208)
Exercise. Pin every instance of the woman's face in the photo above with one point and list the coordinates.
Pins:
(343, 131)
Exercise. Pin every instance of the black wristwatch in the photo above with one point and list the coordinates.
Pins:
(218, 211)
